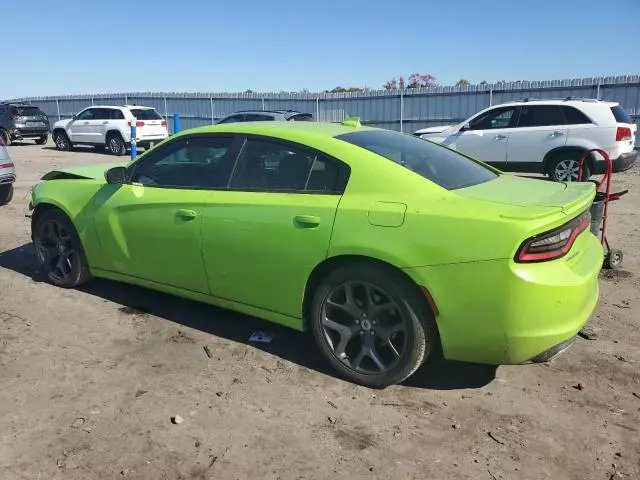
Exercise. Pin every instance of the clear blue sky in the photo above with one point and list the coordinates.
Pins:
(82, 46)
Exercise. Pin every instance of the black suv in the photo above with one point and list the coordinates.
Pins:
(267, 116)
(19, 121)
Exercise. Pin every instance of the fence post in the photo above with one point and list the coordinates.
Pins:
(126, 99)
(58, 109)
(166, 112)
(263, 104)
(598, 90)
(401, 111)
(92, 101)
(490, 97)
(317, 108)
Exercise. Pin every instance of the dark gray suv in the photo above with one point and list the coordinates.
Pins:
(21, 121)
(267, 116)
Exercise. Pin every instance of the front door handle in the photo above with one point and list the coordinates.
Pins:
(105, 122)
(306, 221)
(500, 137)
(557, 134)
(186, 214)
(86, 123)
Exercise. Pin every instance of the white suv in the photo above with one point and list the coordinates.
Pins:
(545, 136)
(111, 127)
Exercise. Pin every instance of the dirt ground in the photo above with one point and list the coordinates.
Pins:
(90, 379)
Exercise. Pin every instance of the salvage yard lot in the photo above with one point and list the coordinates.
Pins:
(91, 379)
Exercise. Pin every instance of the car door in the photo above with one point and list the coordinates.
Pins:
(486, 136)
(97, 125)
(150, 227)
(79, 129)
(540, 129)
(263, 237)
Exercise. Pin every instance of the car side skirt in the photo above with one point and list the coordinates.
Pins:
(275, 317)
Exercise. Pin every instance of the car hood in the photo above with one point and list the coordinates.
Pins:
(94, 172)
(540, 196)
(62, 123)
(430, 130)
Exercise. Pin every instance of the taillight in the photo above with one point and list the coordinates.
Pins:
(623, 134)
(554, 244)
(139, 123)
(163, 123)
(15, 117)
(7, 165)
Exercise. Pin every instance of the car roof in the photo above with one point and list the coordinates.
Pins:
(558, 101)
(309, 129)
(268, 111)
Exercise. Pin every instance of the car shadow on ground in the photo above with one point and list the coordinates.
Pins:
(296, 347)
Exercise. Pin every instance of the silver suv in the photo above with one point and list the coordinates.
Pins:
(7, 175)
(19, 121)
(267, 116)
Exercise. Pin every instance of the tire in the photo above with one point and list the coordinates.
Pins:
(565, 167)
(59, 249)
(62, 141)
(5, 137)
(394, 324)
(6, 193)
(116, 145)
(42, 140)
(613, 259)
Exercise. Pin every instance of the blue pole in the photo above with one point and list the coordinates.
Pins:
(134, 148)
(176, 122)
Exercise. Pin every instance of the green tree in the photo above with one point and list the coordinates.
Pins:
(463, 83)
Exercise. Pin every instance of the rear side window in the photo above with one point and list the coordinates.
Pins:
(255, 117)
(233, 119)
(434, 162)
(27, 111)
(540, 116)
(303, 117)
(574, 116)
(621, 115)
(145, 114)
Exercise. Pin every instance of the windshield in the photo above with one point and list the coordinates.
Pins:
(145, 114)
(445, 167)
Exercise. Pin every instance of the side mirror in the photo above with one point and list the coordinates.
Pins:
(116, 175)
(465, 127)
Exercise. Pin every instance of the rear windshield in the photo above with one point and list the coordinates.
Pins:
(145, 114)
(621, 115)
(445, 167)
(27, 111)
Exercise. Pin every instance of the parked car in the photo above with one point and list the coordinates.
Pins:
(20, 121)
(7, 175)
(110, 127)
(384, 245)
(267, 116)
(545, 136)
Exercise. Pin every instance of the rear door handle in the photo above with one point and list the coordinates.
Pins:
(500, 137)
(556, 134)
(306, 221)
(186, 214)
(105, 122)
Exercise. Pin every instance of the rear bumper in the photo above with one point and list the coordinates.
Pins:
(29, 132)
(624, 162)
(501, 312)
(7, 178)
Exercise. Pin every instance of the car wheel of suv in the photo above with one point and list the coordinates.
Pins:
(565, 169)
(62, 141)
(6, 193)
(5, 137)
(59, 250)
(372, 324)
(42, 140)
(116, 145)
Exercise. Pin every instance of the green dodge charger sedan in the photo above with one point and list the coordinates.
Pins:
(385, 246)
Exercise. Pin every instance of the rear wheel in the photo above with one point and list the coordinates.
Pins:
(42, 140)
(613, 259)
(59, 250)
(62, 141)
(565, 168)
(372, 324)
(5, 137)
(116, 145)
(6, 193)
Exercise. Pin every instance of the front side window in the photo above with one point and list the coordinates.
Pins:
(88, 114)
(255, 117)
(540, 116)
(434, 162)
(497, 118)
(195, 162)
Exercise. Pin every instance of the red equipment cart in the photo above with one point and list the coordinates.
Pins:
(600, 207)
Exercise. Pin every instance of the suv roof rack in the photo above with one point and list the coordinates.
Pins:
(564, 99)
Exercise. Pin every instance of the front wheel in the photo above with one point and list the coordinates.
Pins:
(62, 141)
(6, 193)
(372, 324)
(42, 140)
(59, 249)
(5, 137)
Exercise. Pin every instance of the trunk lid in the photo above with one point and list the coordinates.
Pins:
(91, 172)
(154, 124)
(532, 198)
